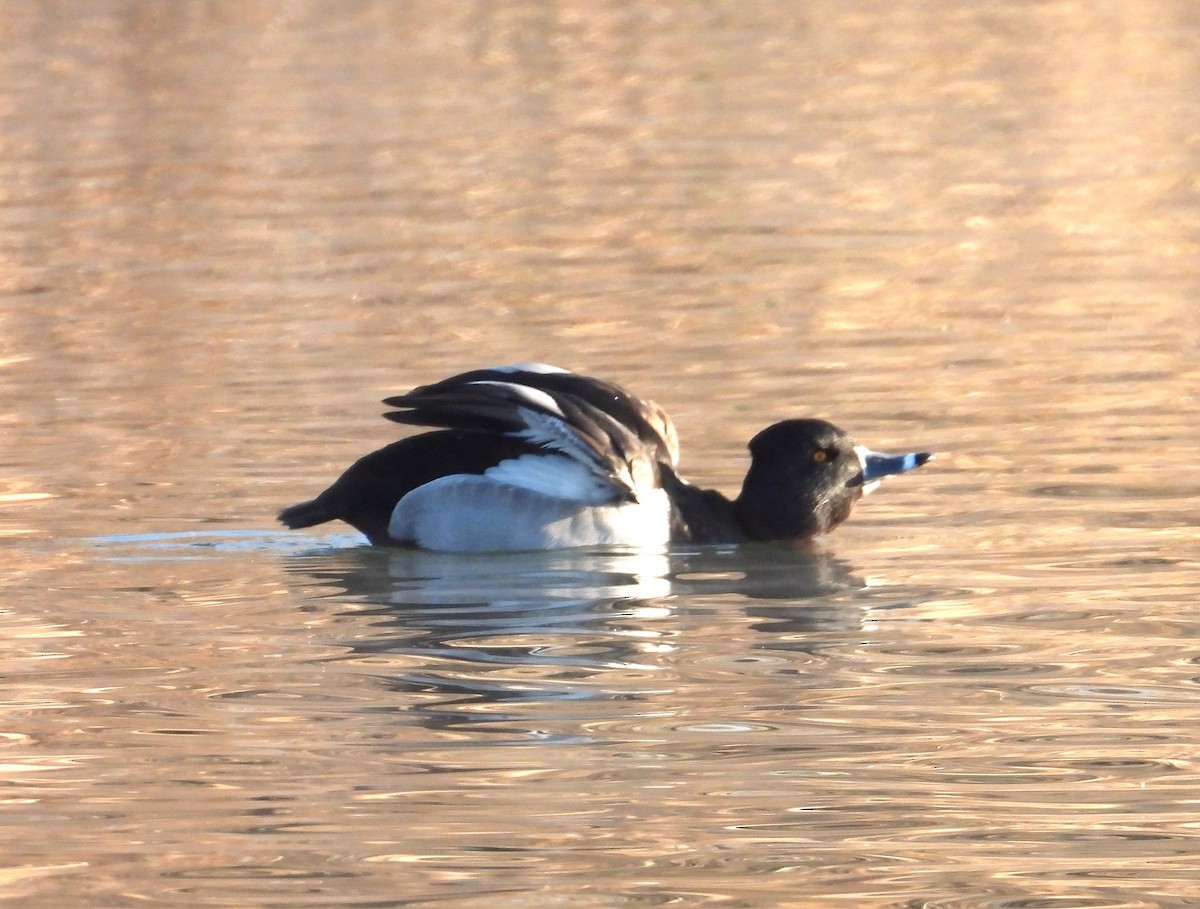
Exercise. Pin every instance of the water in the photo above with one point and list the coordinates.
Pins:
(228, 230)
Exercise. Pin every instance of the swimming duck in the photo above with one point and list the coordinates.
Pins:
(531, 456)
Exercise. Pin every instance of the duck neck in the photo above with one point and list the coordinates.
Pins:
(774, 506)
(700, 515)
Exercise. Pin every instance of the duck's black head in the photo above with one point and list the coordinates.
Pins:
(805, 476)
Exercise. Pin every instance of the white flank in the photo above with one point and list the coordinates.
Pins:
(472, 513)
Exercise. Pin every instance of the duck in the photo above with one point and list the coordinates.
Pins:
(535, 457)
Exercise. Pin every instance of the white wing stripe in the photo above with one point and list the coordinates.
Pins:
(541, 429)
(534, 396)
(555, 477)
(543, 369)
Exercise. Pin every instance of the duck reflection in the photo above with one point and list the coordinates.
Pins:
(487, 589)
(479, 635)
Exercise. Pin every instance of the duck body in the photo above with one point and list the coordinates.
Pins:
(533, 457)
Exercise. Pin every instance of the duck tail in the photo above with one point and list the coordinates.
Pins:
(306, 514)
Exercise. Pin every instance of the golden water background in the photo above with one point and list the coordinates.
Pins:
(227, 230)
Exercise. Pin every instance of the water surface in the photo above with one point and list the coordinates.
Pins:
(227, 231)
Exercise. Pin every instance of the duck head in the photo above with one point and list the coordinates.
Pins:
(805, 476)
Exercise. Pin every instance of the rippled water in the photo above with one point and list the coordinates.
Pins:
(226, 231)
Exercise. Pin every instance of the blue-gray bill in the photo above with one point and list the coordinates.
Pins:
(877, 465)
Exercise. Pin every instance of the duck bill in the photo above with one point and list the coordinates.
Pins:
(876, 465)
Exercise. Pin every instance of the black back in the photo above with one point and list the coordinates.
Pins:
(365, 495)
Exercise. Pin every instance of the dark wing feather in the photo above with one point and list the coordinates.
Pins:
(618, 436)
(647, 420)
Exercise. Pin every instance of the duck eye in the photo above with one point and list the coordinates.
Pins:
(819, 455)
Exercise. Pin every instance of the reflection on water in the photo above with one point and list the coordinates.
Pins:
(715, 714)
(226, 229)
(466, 621)
(413, 578)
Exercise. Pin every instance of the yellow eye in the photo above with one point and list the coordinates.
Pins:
(819, 455)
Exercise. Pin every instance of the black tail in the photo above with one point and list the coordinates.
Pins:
(307, 514)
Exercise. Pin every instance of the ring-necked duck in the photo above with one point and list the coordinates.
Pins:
(535, 457)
